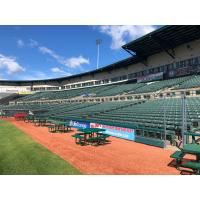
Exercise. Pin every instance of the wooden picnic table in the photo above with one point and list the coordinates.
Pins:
(192, 149)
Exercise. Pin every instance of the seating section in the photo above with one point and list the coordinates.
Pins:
(151, 113)
(70, 110)
(98, 91)
(92, 110)
(192, 82)
(143, 113)
(159, 85)
(4, 94)
(5, 98)
(110, 90)
(146, 116)
(120, 89)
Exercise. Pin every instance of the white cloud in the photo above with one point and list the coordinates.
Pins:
(20, 43)
(10, 64)
(121, 34)
(45, 50)
(76, 61)
(57, 70)
(33, 43)
(60, 71)
(72, 62)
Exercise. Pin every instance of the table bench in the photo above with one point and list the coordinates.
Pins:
(97, 140)
(193, 149)
(79, 139)
(195, 166)
(178, 156)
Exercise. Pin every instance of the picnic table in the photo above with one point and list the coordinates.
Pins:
(92, 130)
(29, 118)
(194, 135)
(58, 126)
(93, 136)
(193, 149)
(38, 121)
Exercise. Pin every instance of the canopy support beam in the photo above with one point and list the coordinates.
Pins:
(164, 46)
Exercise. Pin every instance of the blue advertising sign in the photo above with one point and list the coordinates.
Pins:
(125, 133)
(79, 124)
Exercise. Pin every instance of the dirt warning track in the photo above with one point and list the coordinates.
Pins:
(119, 157)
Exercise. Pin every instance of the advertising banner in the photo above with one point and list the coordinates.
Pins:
(79, 124)
(150, 77)
(125, 133)
(183, 71)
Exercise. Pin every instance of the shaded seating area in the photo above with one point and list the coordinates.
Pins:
(91, 136)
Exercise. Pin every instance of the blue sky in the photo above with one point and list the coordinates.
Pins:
(42, 52)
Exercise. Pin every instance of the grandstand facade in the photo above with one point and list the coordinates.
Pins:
(133, 93)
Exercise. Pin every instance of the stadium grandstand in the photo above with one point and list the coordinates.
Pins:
(145, 92)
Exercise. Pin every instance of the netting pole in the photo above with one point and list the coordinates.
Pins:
(183, 109)
(165, 124)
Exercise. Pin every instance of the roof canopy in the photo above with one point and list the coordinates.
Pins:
(163, 39)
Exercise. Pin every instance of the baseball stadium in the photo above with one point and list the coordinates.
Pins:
(137, 116)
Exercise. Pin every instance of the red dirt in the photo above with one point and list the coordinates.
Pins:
(119, 157)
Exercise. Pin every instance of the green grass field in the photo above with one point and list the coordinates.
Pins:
(19, 154)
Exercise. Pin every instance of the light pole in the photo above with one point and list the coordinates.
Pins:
(98, 42)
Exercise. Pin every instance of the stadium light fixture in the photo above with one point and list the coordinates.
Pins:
(98, 42)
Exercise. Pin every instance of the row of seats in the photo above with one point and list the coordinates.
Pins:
(144, 114)
(116, 89)
(151, 114)
(148, 114)
(192, 82)
(4, 94)
(158, 85)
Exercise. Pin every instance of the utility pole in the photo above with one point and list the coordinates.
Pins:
(98, 42)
